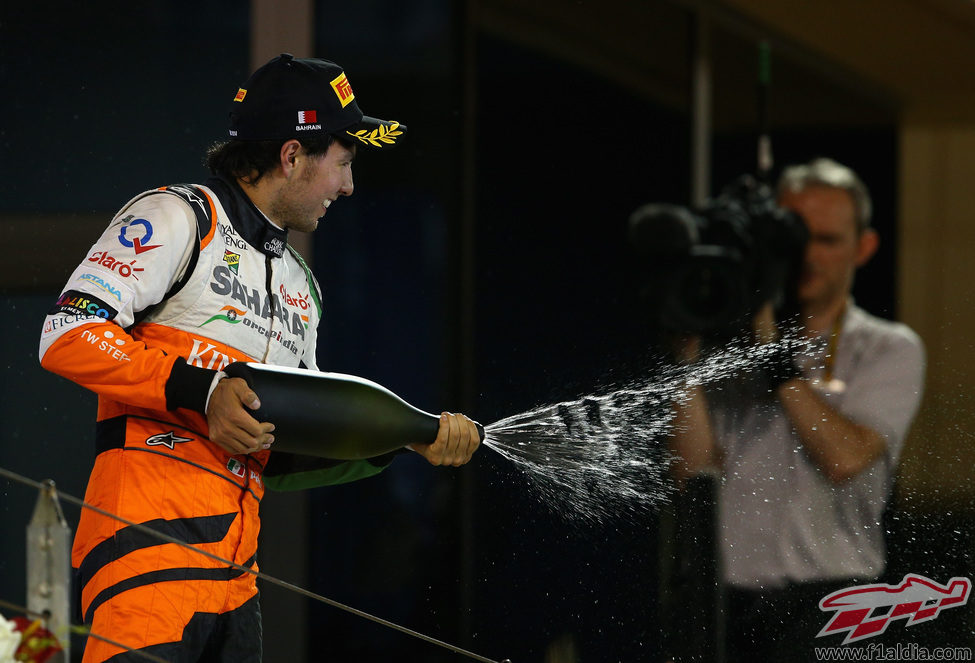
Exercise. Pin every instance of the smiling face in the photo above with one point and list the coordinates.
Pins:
(836, 247)
(313, 183)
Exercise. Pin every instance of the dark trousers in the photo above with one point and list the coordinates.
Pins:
(780, 624)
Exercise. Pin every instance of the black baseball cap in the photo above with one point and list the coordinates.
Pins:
(292, 97)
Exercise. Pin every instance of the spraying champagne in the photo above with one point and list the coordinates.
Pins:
(333, 415)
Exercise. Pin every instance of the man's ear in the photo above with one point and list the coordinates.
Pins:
(288, 156)
(866, 246)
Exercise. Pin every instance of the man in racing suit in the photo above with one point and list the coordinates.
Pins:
(185, 280)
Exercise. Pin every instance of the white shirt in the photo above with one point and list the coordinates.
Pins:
(781, 519)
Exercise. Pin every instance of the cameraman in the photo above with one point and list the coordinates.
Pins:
(807, 452)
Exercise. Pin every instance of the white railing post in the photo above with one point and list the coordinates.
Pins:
(49, 567)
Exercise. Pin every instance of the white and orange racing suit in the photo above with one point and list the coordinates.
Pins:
(185, 280)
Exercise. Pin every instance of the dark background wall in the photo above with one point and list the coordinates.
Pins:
(102, 101)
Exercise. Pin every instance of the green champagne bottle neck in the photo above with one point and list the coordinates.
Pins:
(333, 415)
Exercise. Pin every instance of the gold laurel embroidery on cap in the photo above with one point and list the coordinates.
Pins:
(382, 134)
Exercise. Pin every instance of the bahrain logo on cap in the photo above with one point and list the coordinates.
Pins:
(343, 89)
(307, 117)
(241, 93)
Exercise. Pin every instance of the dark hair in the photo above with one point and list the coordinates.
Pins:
(250, 160)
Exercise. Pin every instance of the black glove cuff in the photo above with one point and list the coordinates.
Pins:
(188, 386)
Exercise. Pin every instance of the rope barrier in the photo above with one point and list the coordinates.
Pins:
(259, 574)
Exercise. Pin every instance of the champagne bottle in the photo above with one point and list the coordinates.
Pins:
(333, 415)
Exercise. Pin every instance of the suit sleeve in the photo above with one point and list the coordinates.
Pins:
(128, 270)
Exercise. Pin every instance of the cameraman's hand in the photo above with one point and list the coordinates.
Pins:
(764, 326)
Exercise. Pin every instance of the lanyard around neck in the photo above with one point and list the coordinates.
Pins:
(834, 341)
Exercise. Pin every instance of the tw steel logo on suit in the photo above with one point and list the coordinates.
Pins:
(107, 343)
